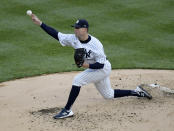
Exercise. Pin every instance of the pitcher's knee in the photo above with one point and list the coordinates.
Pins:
(77, 81)
(108, 96)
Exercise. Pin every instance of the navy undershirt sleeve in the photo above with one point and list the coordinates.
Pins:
(50, 31)
(96, 65)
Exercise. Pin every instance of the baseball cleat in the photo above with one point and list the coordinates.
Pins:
(142, 92)
(63, 114)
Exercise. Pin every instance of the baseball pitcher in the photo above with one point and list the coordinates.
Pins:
(89, 54)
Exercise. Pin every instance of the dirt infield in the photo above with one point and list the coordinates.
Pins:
(29, 104)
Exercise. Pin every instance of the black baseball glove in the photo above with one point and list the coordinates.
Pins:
(79, 56)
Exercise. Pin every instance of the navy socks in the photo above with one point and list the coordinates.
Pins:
(76, 89)
(72, 96)
(122, 93)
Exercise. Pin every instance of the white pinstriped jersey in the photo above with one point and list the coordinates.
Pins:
(95, 52)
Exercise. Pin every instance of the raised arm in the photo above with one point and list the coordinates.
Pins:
(52, 32)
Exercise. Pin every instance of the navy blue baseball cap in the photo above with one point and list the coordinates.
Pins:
(81, 23)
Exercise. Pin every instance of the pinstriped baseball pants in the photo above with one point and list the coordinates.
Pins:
(100, 78)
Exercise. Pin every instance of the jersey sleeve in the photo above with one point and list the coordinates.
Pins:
(69, 40)
(65, 39)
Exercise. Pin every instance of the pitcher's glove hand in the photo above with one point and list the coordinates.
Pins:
(79, 56)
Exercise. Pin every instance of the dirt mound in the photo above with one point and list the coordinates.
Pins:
(29, 104)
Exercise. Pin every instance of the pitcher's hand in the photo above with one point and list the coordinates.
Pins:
(85, 65)
(36, 20)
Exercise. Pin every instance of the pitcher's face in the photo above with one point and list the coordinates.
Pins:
(80, 32)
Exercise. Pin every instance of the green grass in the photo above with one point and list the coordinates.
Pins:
(135, 34)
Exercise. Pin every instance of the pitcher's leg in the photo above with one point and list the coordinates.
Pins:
(104, 87)
(122, 93)
(67, 112)
(139, 92)
(75, 90)
(85, 77)
(88, 76)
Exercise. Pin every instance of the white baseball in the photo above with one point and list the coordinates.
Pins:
(29, 12)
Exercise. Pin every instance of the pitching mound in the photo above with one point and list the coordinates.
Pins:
(29, 104)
